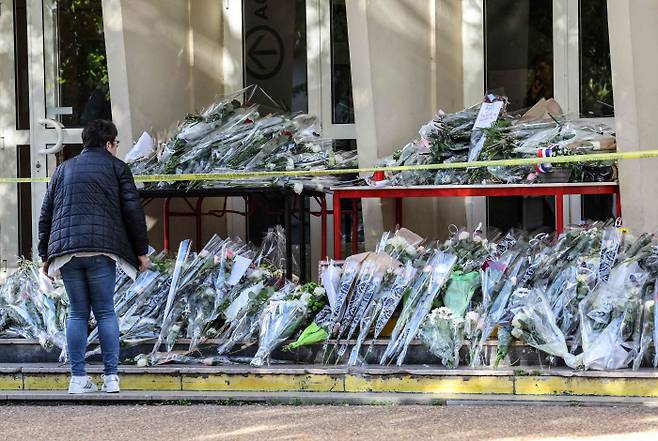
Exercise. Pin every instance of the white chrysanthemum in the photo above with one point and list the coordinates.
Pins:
(464, 235)
(397, 242)
(319, 292)
(472, 316)
(411, 250)
(517, 333)
(256, 274)
(315, 148)
(141, 360)
(298, 188)
(522, 316)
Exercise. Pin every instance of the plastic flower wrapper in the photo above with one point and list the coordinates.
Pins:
(370, 309)
(471, 249)
(33, 308)
(402, 246)
(610, 242)
(607, 318)
(243, 319)
(201, 307)
(377, 268)
(316, 332)
(232, 135)
(330, 279)
(648, 325)
(367, 284)
(279, 321)
(460, 290)
(169, 318)
(424, 290)
(505, 340)
(534, 323)
(390, 297)
(442, 333)
(273, 249)
(348, 278)
(496, 310)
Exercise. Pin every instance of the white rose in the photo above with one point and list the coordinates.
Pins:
(517, 333)
(473, 316)
(464, 235)
(142, 362)
(315, 148)
(298, 188)
(410, 250)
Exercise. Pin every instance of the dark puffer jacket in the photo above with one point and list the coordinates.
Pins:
(92, 205)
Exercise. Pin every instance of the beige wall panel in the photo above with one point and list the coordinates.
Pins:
(633, 36)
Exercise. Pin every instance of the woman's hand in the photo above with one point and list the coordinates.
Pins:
(144, 263)
(44, 269)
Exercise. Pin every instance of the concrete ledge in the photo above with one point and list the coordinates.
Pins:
(342, 379)
(305, 398)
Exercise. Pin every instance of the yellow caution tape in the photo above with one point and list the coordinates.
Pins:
(227, 176)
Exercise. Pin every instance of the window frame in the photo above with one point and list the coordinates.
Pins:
(566, 80)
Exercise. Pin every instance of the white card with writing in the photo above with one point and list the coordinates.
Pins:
(240, 266)
(488, 114)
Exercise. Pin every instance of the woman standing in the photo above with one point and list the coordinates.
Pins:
(91, 221)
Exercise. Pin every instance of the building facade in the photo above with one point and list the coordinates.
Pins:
(372, 71)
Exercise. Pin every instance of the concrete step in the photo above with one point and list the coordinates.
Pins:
(414, 379)
(318, 398)
(29, 351)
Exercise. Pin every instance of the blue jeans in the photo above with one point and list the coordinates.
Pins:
(89, 283)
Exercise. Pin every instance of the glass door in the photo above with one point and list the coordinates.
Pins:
(14, 122)
(68, 83)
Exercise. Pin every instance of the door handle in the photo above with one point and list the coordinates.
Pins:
(59, 128)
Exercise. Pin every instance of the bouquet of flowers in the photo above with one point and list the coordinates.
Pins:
(424, 291)
(443, 333)
(232, 135)
(32, 307)
(534, 323)
(283, 315)
(462, 136)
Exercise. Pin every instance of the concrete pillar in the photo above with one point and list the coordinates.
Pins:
(397, 85)
(633, 36)
(164, 61)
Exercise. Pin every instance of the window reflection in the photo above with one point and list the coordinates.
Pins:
(341, 73)
(596, 99)
(519, 50)
(76, 63)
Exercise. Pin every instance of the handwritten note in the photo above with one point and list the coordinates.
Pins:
(488, 114)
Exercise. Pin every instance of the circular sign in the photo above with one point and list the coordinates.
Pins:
(264, 52)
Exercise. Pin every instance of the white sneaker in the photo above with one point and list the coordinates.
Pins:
(110, 384)
(81, 385)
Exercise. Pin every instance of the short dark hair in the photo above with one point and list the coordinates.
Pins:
(98, 133)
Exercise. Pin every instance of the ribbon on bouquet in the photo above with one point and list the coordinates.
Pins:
(544, 152)
(228, 176)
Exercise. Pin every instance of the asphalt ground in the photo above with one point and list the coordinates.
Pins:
(263, 422)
